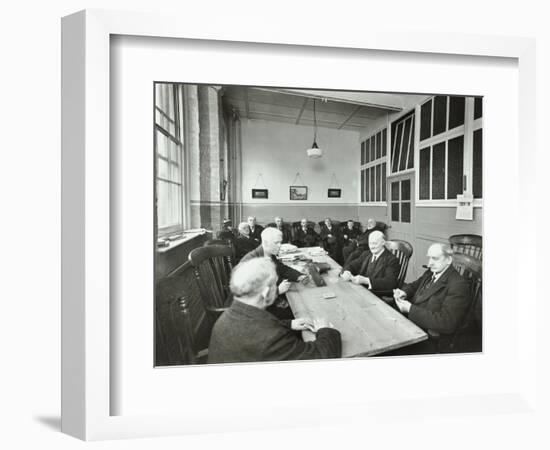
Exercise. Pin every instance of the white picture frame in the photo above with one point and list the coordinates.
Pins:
(87, 356)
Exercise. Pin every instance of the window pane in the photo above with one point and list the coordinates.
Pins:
(367, 151)
(410, 162)
(383, 182)
(168, 204)
(426, 120)
(405, 144)
(478, 107)
(406, 212)
(372, 149)
(395, 159)
(384, 141)
(395, 212)
(362, 152)
(372, 180)
(367, 185)
(478, 164)
(438, 171)
(440, 114)
(424, 174)
(405, 190)
(378, 145)
(456, 111)
(455, 166)
(395, 191)
(378, 183)
(175, 173)
(162, 144)
(162, 168)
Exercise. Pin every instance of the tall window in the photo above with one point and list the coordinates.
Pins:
(373, 167)
(450, 148)
(169, 158)
(402, 144)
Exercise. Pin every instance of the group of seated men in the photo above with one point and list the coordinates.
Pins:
(260, 326)
(340, 243)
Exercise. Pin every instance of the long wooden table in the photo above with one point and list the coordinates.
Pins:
(367, 324)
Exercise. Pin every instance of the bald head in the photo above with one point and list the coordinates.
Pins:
(371, 223)
(440, 256)
(376, 242)
(272, 239)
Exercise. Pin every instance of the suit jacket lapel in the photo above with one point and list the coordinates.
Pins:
(429, 291)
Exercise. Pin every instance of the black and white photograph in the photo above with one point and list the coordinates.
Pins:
(387, 264)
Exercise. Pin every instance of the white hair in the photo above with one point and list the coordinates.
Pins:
(446, 249)
(270, 234)
(377, 235)
(250, 277)
(243, 226)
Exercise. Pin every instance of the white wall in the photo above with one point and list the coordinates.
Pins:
(278, 152)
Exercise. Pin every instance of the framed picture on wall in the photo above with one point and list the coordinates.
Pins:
(334, 193)
(259, 193)
(298, 192)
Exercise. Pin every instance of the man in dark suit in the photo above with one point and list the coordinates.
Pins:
(255, 229)
(331, 239)
(305, 236)
(349, 238)
(354, 250)
(438, 300)
(377, 269)
(283, 228)
(271, 243)
(247, 332)
(243, 242)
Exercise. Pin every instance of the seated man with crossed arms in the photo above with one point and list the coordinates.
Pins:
(247, 332)
(377, 268)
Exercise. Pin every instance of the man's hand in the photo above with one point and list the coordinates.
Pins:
(301, 324)
(304, 279)
(283, 287)
(360, 279)
(403, 305)
(321, 322)
(398, 294)
(346, 275)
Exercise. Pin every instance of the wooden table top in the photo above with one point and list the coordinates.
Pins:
(367, 324)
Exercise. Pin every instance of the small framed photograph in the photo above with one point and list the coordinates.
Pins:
(298, 192)
(334, 193)
(259, 193)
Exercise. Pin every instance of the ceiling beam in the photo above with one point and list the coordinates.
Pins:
(302, 110)
(355, 111)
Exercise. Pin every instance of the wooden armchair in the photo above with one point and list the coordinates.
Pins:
(469, 244)
(403, 251)
(212, 267)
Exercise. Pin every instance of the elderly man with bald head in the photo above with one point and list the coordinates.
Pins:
(247, 332)
(438, 300)
(280, 225)
(376, 268)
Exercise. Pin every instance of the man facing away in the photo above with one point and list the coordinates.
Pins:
(377, 268)
(247, 332)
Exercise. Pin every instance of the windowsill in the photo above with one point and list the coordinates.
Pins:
(186, 237)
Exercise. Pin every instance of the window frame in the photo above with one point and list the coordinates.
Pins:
(179, 140)
(467, 130)
(372, 164)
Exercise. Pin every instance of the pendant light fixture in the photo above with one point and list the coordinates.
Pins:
(314, 151)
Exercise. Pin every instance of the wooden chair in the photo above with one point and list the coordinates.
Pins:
(295, 226)
(212, 265)
(193, 356)
(469, 244)
(224, 242)
(471, 269)
(403, 251)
